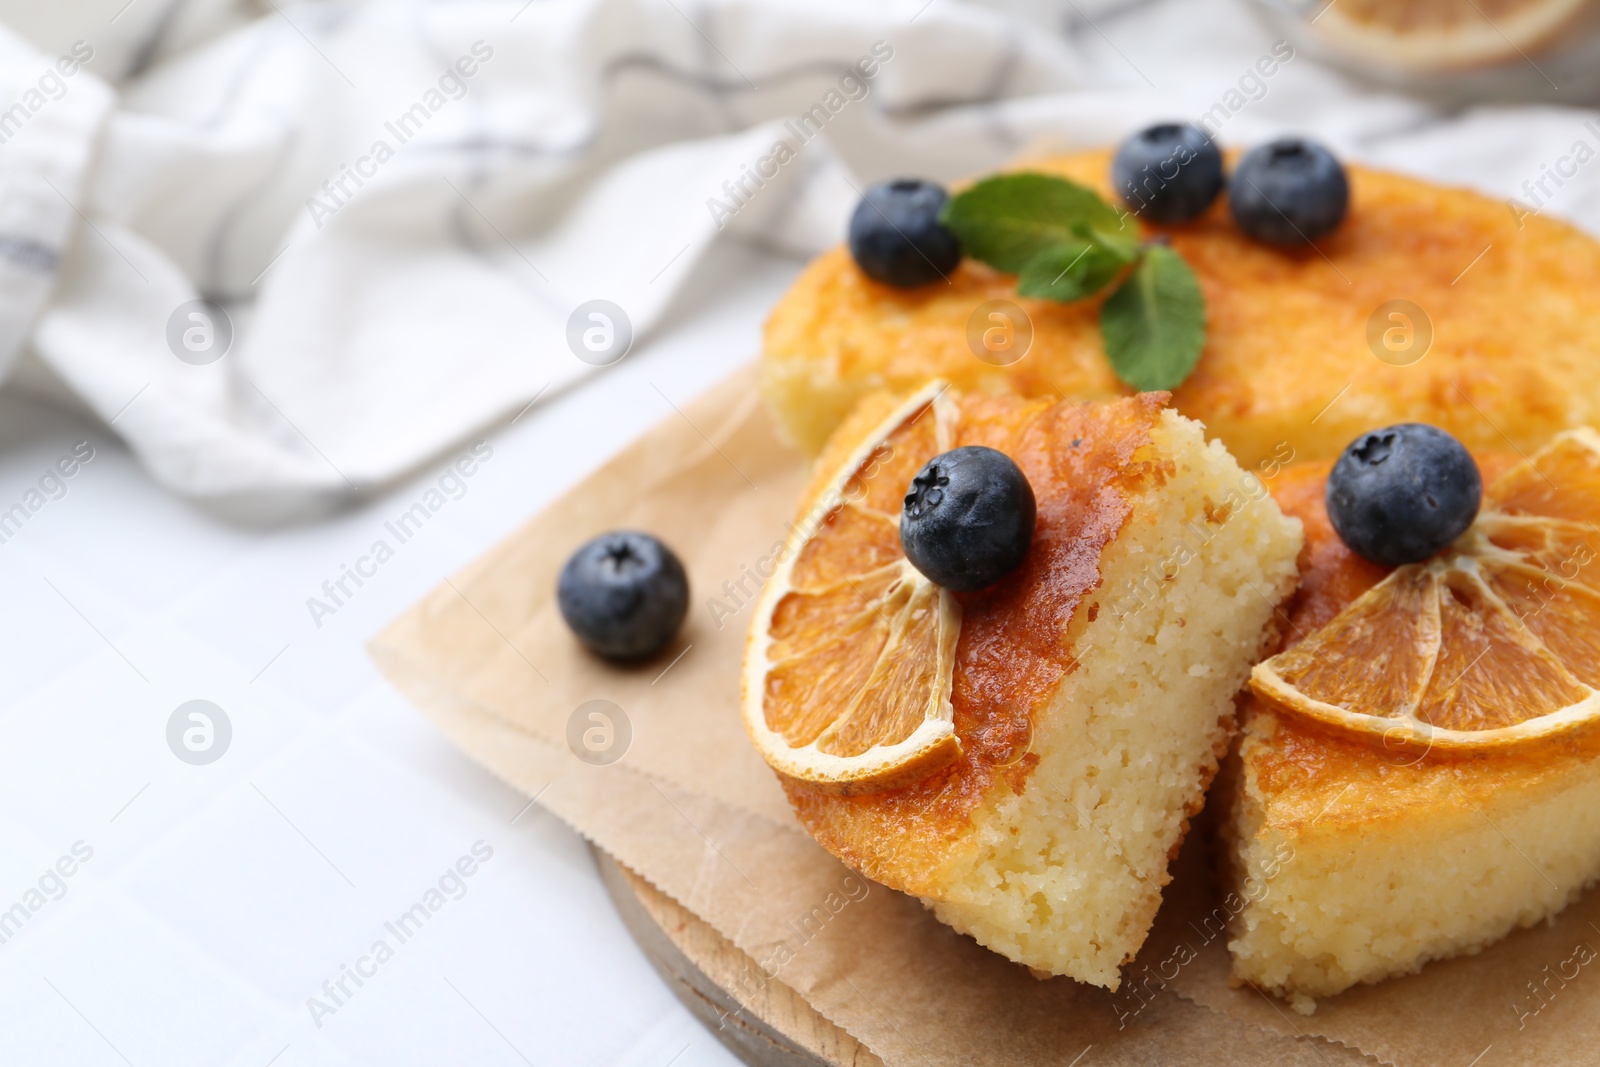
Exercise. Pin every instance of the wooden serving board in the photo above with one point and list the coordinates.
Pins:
(774, 1027)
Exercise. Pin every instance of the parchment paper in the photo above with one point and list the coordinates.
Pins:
(672, 788)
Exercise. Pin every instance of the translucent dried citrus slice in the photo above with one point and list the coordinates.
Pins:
(848, 671)
(1493, 642)
(1445, 34)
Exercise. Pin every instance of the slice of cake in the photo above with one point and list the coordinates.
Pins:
(1363, 857)
(1029, 754)
(1356, 865)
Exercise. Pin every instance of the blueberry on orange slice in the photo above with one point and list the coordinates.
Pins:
(1490, 644)
(848, 670)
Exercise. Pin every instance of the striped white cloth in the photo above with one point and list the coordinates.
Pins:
(290, 256)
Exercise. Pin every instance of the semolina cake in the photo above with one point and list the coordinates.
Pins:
(1368, 866)
(1090, 690)
(1291, 362)
(1360, 860)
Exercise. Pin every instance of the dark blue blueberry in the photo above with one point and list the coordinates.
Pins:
(1168, 173)
(624, 594)
(895, 234)
(1289, 192)
(1400, 494)
(968, 518)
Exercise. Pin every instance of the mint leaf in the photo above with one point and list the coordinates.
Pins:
(1154, 325)
(1070, 271)
(1123, 243)
(1007, 220)
(1065, 243)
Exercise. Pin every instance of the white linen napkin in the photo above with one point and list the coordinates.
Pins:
(290, 256)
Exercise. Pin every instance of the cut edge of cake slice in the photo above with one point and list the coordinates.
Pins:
(1066, 876)
(1381, 865)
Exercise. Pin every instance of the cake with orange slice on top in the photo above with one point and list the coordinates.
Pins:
(1022, 745)
(1454, 35)
(1419, 768)
(1024, 753)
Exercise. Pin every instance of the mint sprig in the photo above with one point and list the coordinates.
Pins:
(1154, 325)
(1065, 243)
(1071, 271)
(1012, 218)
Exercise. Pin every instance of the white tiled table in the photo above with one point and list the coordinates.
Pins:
(219, 898)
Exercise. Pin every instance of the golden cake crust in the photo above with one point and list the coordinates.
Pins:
(1011, 656)
(1515, 327)
(1091, 689)
(1306, 774)
(1358, 862)
(1311, 781)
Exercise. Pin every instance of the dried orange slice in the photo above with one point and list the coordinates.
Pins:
(848, 670)
(1492, 643)
(1447, 34)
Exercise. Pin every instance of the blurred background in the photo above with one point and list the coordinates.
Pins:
(269, 269)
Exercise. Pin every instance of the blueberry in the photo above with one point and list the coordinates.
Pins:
(968, 518)
(1400, 494)
(624, 594)
(1289, 192)
(1168, 173)
(895, 234)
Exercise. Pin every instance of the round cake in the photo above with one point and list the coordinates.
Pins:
(1429, 304)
